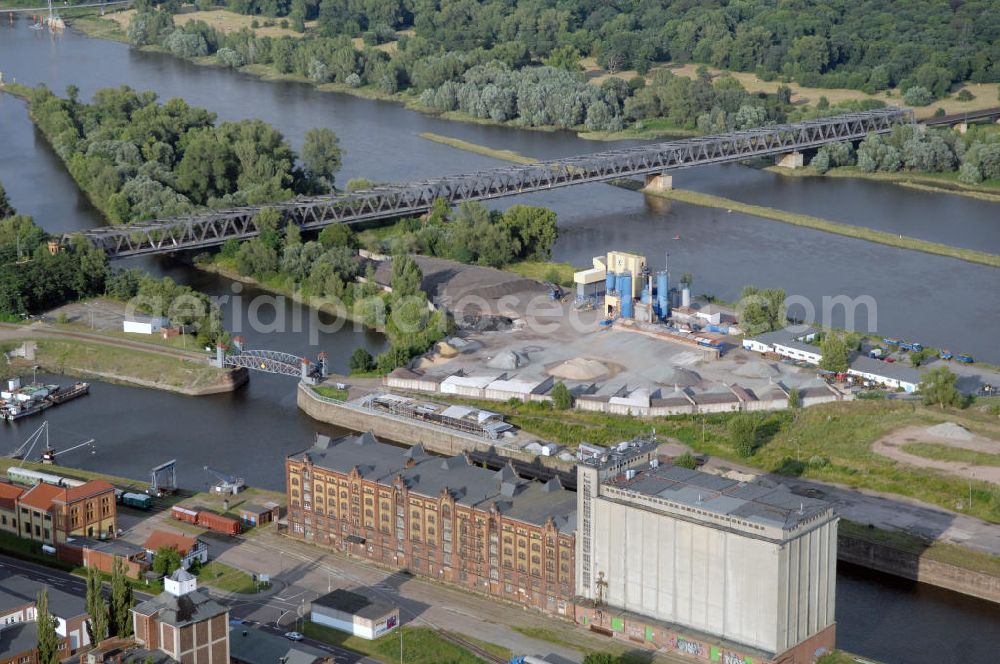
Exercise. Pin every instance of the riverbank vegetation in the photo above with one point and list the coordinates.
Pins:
(973, 156)
(504, 155)
(858, 232)
(137, 159)
(829, 442)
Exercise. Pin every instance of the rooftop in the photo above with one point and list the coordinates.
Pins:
(354, 603)
(188, 609)
(894, 370)
(782, 336)
(253, 646)
(42, 496)
(87, 490)
(159, 538)
(17, 591)
(620, 453)
(755, 502)
(21, 637)
(114, 547)
(470, 485)
(8, 494)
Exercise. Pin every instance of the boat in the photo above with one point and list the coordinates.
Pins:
(62, 395)
(16, 411)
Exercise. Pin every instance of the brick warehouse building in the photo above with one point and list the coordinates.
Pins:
(52, 514)
(484, 530)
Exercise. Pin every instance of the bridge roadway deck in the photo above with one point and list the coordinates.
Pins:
(413, 198)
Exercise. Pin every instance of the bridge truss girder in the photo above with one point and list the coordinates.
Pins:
(214, 228)
(268, 361)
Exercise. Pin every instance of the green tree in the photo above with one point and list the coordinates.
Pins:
(361, 361)
(794, 399)
(532, 229)
(121, 600)
(48, 640)
(406, 277)
(686, 460)
(918, 96)
(743, 434)
(938, 388)
(166, 560)
(97, 608)
(835, 352)
(6, 209)
(338, 235)
(321, 153)
(761, 309)
(562, 399)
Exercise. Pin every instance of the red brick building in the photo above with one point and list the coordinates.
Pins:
(184, 623)
(52, 514)
(488, 531)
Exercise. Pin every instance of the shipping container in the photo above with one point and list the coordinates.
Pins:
(219, 523)
(184, 514)
(137, 500)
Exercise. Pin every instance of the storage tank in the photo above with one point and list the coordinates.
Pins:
(686, 297)
(663, 293)
(609, 282)
(625, 286)
(645, 297)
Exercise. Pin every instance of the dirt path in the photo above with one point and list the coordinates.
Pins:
(41, 330)
(891, 446)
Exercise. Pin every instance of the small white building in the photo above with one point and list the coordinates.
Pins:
(798, 350)
(888, 374)
(469, 386)
(355, 614)
(145, 324)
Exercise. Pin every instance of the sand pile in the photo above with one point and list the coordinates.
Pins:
(508, 359)
(757, 369)
(949, 431)
(445, 349)
(579, 368)
(680, 377)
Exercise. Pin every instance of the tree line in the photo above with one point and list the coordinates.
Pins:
(975, 155)
(870, 46)
(503, 81)
(138, 159)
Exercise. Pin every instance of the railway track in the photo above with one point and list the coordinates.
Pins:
(473, 648)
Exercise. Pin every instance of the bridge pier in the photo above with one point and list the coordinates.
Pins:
(961, 127)
(220, 355)
(791, 160)
(661, 182)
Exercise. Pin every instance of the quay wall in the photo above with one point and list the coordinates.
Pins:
(910, 565)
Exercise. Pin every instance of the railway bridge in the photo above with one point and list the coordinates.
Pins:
(213, 228)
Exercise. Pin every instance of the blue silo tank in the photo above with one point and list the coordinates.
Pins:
(625, 292)
(627, 307)
(609, 282)
(663, 293)
(620, 285)
(645, 297)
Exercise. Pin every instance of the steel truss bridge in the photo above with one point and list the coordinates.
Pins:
(413, 198)
(276, 362)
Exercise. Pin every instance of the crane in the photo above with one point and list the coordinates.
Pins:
(227, 483)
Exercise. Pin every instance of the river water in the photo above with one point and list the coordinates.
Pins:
(936, 300)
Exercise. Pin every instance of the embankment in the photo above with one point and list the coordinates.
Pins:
(971, 574)
(116, 362)
(434, 438)
(857, 232)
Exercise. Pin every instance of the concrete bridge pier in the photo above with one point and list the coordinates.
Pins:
(961, 127)
(220, 355)
(659, 182)
(791, 160)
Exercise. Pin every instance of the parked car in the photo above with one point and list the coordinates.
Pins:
(293, 636)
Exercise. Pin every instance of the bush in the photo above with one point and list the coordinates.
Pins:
(361, 361)
(353, 80)
(229, 58)
(686, 460)
(918, 96)
(965, 95)
(561, 397)
(743, 434)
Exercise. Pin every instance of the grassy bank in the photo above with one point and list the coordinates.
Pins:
(830, 442)
(421, 645)
(941, 183)
(330, 392)
(942, 552)
(847, 230)
(124, 365)
(505, 155)
(559, 273)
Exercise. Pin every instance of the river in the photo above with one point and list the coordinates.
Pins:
(249, 432)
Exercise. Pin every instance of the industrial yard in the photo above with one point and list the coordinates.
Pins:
(615, 353)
